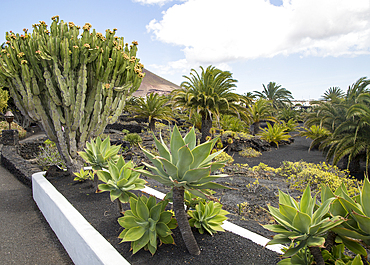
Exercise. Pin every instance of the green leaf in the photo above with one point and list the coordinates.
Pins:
(165, 217)
(105, 187)
(353, 246)
(140, 243)
(127, 222)
(288, 211)
(209, 185)
(294, 250)
(315, 241)
(279, 239)
(281, 219)
(363, 222)
(151, 203)
(302, 222)
(162, 150)
(158, 165)
(155, 212)
(194, 175)
(142, 210)
(365, 197)
(134, 233)
(114, 194)
(176, 143)
(342, 231)
(200, 153)
(103, 176)
(167, 239)
(190, 139)
(170, 168)
(287, 200)
(163, 230)
(306, 201)
(321, 211)
(185, 159)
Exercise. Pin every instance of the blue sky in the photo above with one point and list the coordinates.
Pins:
(306, 46)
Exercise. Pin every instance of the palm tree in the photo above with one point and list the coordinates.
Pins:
(209, 94)
(348, 121)
(333, 94)
(274, 92)
(259, 111)
(154, 107)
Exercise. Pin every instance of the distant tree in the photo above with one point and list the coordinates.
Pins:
(209, 94)
(333, 94)
(154, 107)
(279, 96)
(261, 110)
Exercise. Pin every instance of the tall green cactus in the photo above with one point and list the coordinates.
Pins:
(72, 84)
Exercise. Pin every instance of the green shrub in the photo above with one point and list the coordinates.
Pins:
(249, 152)
(84, 175)
(290, 125)
(4, 125)
(4, 97)
(232, 123)
(224, 157)
(274, 133)
(49, 156)
(208, 216)
(299, 174)
(147, 223)
(133, 138)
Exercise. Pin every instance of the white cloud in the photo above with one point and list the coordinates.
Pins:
(217, 31)
(154, 2)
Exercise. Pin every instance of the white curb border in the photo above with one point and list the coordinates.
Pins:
(82, 242)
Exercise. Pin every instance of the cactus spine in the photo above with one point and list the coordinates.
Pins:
(72, 84)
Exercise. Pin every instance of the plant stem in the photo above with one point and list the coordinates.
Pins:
(120, 206)
(182, 220)
(330, 240)
(316, 253)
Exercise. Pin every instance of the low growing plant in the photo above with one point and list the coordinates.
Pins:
(224, 157)
(250, 152)
(98, 153)
(208, 216)
(49, 156)
(302, 225)
(133, 138)
(274, 134)
(120, 180)
(299, 174)
(84, 175)
(147, 223)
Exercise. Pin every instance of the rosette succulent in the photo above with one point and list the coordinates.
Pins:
(145, 223)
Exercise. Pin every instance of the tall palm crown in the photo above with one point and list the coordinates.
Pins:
(274, 92)
(333, 94)
(209, 94)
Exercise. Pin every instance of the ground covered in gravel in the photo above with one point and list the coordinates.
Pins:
(223, 248)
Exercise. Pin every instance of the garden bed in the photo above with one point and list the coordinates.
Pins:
(223, 248)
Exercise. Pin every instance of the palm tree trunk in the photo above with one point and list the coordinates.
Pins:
(205, 130)
(316, 253)
(152, 125)
(182, 220)
(256, 128)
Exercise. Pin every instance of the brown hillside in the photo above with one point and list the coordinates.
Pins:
(154, 83)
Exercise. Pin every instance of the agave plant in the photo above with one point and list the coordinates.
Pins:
(208, 216)
(300, 225)
(98, 153)
(120, 180)
(145, 223)
(355, 232)
(184, 166)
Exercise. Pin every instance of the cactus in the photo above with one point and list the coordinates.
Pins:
(72, 84)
